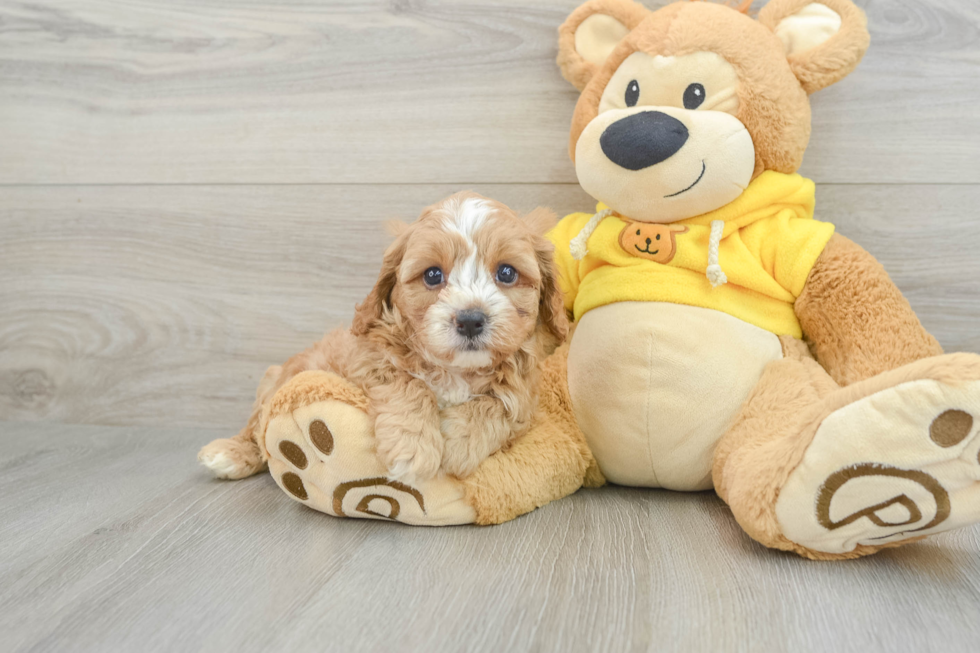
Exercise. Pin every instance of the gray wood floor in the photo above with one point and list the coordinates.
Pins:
(191, 190)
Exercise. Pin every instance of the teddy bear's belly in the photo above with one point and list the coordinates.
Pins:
(655, 386)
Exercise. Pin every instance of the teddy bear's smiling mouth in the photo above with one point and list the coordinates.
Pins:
(647, 250)
(696, 181)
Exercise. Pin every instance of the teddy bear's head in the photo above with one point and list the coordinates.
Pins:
(682, 107)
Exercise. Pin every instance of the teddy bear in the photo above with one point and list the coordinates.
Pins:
(723, 339)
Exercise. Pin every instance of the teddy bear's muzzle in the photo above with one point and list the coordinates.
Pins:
(643, 139)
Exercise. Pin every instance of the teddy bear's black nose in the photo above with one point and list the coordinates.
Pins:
(643, 139)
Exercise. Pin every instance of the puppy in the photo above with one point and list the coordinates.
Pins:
(446, 346)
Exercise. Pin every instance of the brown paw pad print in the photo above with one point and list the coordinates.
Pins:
(294, 484)
(322, 439)
(292, 452)
(951, 428)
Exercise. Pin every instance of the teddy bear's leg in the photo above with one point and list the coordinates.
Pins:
(321, 451)
(831, 472)
(550, 461)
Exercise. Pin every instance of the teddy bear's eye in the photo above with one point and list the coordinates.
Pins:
(693, 96)
(632, 93)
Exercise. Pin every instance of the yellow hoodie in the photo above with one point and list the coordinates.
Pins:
(769, 245)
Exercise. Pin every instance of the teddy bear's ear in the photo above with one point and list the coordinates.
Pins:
(590, 33)
(824, 41)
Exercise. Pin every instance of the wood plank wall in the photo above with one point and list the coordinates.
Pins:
(193, 190)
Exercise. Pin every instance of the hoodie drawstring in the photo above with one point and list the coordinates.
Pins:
(714, 272)
(579, 246)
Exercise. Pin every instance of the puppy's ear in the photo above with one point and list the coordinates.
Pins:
(369, 311)
(551, 307)
(540, 221)
(396, 228)
(591, 33)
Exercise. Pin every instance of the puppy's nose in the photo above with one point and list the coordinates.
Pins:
(643, 139)
(470, 322)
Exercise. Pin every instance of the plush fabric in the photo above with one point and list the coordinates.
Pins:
(772, 104)
(654, 386)
(768, 248)
(857, 321)
(575, 67)
(833, 59)
(778, 423)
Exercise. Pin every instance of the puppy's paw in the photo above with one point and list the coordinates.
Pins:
(459, 459)
(410, 455)
(467, 442)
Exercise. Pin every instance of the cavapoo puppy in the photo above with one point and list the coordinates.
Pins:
(446, 345)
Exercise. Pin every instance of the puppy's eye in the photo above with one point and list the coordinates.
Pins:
(432, 277)
(506, 274)
(632, 93)
(693, 97)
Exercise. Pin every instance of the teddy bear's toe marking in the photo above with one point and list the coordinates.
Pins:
(294, 484)
(951, 428)
(879, 515)
(321, 437)
(367, 502)
(364, 506)
(291, 452)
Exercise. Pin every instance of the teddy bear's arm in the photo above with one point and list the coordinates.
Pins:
(855, 319)
(541, 466)
(550, 461)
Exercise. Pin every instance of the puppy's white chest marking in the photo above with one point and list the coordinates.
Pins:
(450, 390)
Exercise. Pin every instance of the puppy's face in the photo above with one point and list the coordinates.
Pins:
(473, 281)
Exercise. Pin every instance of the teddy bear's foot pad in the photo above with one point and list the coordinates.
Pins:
(322, 455)
(896, 465)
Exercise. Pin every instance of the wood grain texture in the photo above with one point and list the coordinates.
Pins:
(327, 91)
(156, 304)
(163, 305)
(114, 541)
